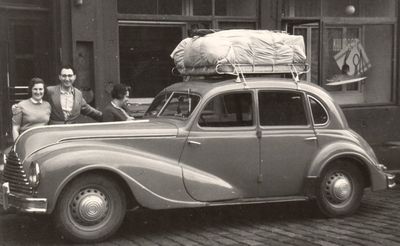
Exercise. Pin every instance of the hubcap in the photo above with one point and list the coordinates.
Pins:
(89, 207)
(338, 188)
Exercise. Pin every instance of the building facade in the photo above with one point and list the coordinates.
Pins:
(351, 47)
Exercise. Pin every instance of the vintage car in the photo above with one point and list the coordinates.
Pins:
(209, 142)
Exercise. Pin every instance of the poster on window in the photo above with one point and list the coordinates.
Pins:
(353, 55)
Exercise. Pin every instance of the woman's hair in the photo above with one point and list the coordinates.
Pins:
(119, 91)
(35, 81)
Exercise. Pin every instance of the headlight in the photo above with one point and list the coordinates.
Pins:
(34, 174)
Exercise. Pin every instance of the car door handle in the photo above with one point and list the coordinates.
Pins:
(194, 142)
(310, 139)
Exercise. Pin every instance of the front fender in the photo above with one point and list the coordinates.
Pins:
(155, 180)
(348, 150)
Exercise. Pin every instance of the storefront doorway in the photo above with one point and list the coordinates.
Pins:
(24, 53)
(145, 62)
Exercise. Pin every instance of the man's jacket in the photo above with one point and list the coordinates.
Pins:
(79, 107)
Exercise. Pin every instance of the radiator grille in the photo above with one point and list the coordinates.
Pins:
(16, 176)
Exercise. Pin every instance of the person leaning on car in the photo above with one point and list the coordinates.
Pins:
(114, 111)
(31, 112)
(67, 102)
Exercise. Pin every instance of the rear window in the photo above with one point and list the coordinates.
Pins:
(319, 113)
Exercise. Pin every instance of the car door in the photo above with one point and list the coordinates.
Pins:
(220, 160)
(288, 142)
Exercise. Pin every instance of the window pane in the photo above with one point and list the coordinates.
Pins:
(318, 112)
(339, 40)
(202, 7)
(228, 110)
(341, 8)
(137, 6)
(379, 68)
(24, 41)
(157, 104)
(373, 8)
(356, 69)
(24, 71)
(181, 105)
(170, 7)
(361, 8)
(298, 8)
(145, 64)
(31, 2)
(281, 109)
(236, 7)
(236, 25)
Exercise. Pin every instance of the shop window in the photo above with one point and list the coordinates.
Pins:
(202, 7)
(357, 63)
(297, 8)
(236, 7)
(360, 8)
(160, 7)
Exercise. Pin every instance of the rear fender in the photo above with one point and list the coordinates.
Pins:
(347, 150)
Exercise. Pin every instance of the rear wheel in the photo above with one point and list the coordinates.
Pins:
(90, 209)
(340, 190)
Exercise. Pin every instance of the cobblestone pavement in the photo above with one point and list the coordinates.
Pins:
(376, 223)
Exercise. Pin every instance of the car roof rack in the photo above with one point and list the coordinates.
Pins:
(240, 70)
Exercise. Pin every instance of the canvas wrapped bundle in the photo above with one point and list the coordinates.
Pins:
(201, 55)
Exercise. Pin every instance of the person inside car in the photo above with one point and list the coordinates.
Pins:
(114, 111)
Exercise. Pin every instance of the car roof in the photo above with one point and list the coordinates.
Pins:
(203, 86)
(210, 87)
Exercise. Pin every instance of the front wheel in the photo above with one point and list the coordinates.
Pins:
(340, 190)
(90, 209)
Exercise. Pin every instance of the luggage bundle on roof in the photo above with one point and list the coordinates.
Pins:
(239, 51)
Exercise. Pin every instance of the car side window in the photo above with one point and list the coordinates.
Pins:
(180, 105)
(281, 108)
(319, 113)
(228, 110)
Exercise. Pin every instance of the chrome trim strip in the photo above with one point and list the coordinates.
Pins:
(5, 192)
(390, 180)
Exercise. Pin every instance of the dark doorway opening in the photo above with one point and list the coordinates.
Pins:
(145, 62)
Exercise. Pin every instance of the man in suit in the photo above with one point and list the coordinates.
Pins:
(67, 102)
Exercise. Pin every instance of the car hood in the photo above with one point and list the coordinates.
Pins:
(40, 137)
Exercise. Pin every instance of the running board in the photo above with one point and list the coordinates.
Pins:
(260, 200)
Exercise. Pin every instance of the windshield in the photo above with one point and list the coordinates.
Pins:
(173, 104)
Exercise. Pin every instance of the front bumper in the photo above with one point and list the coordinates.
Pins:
(23, 204)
